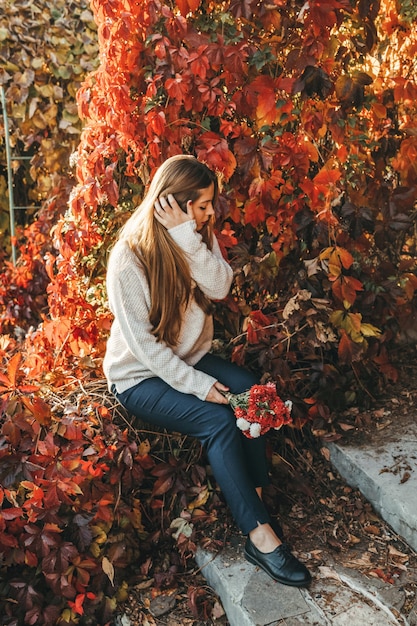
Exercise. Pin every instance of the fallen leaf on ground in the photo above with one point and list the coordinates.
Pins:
(363, 561)
(328, 572)
(217, 611)
(161, 605)
(397, 555)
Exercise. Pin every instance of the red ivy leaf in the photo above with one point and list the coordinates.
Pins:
(12, 513)
(162, 485)
(344, 288)
(254, 212)
(213, 150)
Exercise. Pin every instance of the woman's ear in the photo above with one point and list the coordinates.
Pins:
(190, 211)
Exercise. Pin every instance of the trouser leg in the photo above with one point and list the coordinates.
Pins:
(214, 425)
(238, 380)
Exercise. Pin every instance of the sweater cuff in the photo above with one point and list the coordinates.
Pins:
(185, 236)
(205, 392)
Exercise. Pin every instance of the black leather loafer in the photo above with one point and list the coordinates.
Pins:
(280, 564)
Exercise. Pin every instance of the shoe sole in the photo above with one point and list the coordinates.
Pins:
(283, 581)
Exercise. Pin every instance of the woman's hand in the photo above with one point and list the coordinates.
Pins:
(215, 395)
(169, 213)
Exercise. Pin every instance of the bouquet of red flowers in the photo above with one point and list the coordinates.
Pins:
(259, 409)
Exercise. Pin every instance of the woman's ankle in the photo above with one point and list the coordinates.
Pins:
(264, 538)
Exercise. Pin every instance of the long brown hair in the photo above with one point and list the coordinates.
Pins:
(163, 261)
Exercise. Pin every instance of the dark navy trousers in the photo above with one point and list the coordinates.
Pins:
(238, 463)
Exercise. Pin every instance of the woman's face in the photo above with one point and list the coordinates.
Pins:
(202, 208)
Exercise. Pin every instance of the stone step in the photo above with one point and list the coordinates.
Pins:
(384, 469)
(336, 596)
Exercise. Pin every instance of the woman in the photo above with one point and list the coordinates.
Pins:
(164, 270)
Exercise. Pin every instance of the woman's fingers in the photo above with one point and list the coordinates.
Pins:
(220, 387)
(169, 204)
(160, 214)
(214, 394)
(169, 213)
(172, 203)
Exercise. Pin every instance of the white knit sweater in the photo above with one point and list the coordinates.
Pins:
(133, 353)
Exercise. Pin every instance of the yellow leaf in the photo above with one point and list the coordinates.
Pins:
(100, 536)
(357, 337)
(335, 269)
(122, 592)
(67, 615)
(336, 318)
(200, 500)
(325, 254)
(368, 330)
(144, 448)
(46, 91)
(352, 323)
(95, 549)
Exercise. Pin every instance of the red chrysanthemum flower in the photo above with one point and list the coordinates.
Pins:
(259, 409)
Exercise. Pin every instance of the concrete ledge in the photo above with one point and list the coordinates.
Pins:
(249, 596)
(336, 597)
(385, 471)
(379, 472)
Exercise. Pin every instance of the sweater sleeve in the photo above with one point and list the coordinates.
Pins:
(127, 293)
(208, 267)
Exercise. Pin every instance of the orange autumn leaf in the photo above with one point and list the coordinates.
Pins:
(254, 212)
(405, 89)
(380, 110)
(273, 225)
(39, 408)
(405, 162)
(187, 6)
(345, 289)
(342, 154)
(264, 90)
(266, 110)
(12, 368)
(10, 380)
(410, 285)
(345, 349)
(339, 257)
(327, 177)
